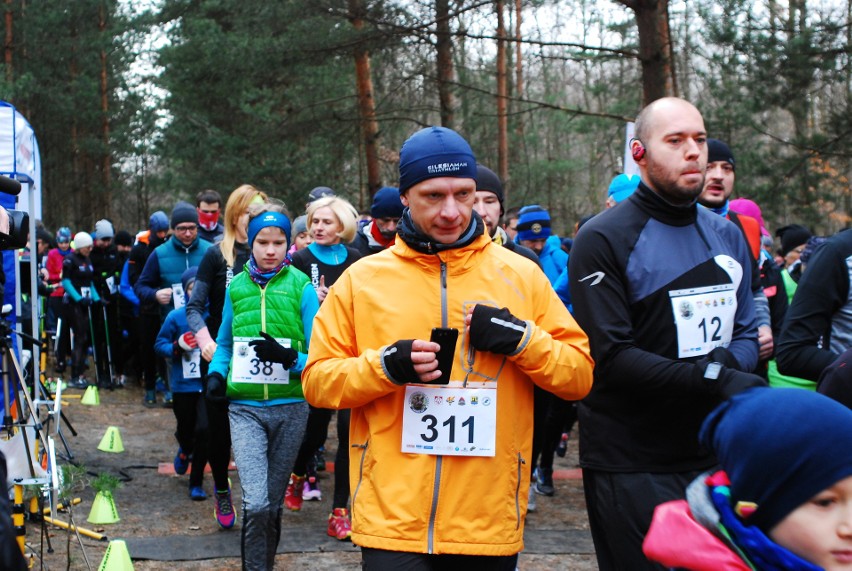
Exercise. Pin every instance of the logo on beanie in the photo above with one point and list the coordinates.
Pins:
(536, 228)
(441, 168)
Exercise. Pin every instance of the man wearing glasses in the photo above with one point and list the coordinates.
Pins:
(160, 279)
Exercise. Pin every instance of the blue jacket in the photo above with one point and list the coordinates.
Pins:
(173, 327)
(553, 259)
(165, 265)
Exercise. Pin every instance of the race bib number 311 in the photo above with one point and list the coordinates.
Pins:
(449, 421)
(248, 368)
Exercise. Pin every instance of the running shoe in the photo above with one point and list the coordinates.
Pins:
(311, 491)
(544, 482)
(150, 399)
(293, 496)
(78, 383)
(197, 494)
(224, 509)
(339, 524)
(181, 462)
(531, 500)
(562, 447)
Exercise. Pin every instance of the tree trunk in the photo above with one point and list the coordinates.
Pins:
(655, 49)
(444, 47)
(502, 97)
(366, 103)
(106, 160)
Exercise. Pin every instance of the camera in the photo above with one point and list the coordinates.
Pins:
(14, 224)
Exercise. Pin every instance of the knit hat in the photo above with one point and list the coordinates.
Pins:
(187, 278)
(792, 237)
(719, 151)
(779, 447)
(434, 152)
(82, 240)
(123, 238)
(533, 223)
(104, 229)
(749, 208)
(158, 222)
(487, 180)
(319, 192)
(622, 186)
(44, 236)
(266, 220)
(300, 224)
(63, 234)
(184, 212)
(386, 203)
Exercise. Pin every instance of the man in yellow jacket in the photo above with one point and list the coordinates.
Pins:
(438, 470)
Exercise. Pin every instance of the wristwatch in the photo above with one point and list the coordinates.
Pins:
(712, 371)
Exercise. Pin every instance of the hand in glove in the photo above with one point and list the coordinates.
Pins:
(722, 380)
(411, 361)
(268, 349)
(85, 301)
(495, 330)
(216, 388)
(187, 342)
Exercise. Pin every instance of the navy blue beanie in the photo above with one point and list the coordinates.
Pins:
(386, 203)
(487, 180)
(780, 448)
(717, 151)
(434, 152)
(184, 212)
(533, 223)
(187, 278)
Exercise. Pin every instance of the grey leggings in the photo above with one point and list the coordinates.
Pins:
(265, 440)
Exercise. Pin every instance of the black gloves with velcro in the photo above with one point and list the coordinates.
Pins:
(270, 350)
(496, 330)
(717, 374)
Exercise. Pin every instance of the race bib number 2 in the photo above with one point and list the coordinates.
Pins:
(248, 368)
(449, 421)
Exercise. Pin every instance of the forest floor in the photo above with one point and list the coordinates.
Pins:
(165, 530)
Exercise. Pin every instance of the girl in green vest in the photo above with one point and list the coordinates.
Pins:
(262, 347)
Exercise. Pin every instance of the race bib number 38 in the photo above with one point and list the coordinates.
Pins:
(246, 367)
(449, 421)
(704, 318)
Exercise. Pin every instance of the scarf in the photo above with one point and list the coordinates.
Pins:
(420, 242)
(380, 239)
(261, 277)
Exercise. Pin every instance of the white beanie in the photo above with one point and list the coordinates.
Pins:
(104, 229)
(81, 240)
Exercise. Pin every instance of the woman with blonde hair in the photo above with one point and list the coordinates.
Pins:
(332, 223)
(215, 272)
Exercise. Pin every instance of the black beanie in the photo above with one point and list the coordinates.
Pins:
(184, 212)
(719, 151)
(487, 180)
(123, 238)
(792, 237)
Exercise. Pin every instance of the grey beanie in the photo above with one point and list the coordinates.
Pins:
(104, 229)
(184, 212)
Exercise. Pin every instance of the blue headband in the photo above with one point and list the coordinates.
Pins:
(266, 220)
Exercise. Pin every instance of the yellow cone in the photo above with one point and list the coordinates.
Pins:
(111, 442)
(91, 396)
(116, 558)
(103, 509)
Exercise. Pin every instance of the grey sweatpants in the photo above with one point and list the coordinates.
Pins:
(265, 440)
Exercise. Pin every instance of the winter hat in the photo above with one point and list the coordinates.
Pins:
(300, 224)
(265, 220)
(533, 223)
(44, 236)
(104, 229)
(567, 243)
(487, 180)
(719, 151)
(184, 212)
(386, 203)
(749, 208)
(63, 234)
(779, 447)
(187, 278)
(319, 192)
(82, 240)
(622, 186)
(158, 222)
(434, 152)
(123, 238)
(792, 237)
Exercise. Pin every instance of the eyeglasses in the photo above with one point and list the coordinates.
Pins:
(192, 228)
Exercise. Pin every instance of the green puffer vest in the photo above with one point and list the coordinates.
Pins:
(275, 309)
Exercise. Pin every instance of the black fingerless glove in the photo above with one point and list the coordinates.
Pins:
(268, 349)
(723, 381)
(496, 330)
(396, 361)
(216, 388)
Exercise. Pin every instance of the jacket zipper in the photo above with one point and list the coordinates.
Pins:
(363, 448)
(439, 460)
(521, 464)
(263, 328)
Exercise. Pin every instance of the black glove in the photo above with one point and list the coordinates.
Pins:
(496, 330)
(396, 361)
(724, 381)
(85, 301)
(268, 349)
(216, 388)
